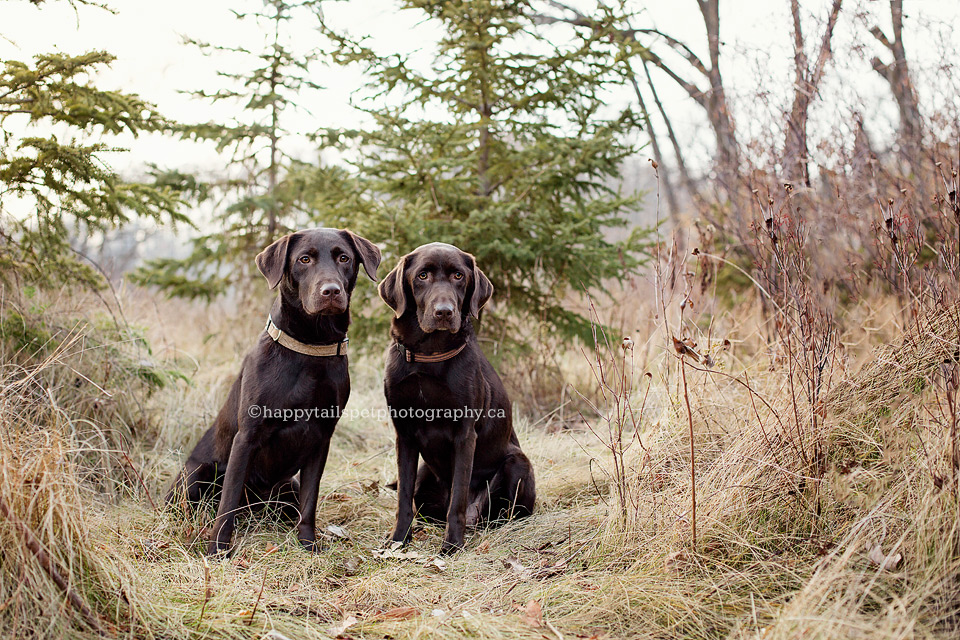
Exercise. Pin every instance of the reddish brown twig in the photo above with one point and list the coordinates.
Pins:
(31, 542)
(693, 468)
(259, 595)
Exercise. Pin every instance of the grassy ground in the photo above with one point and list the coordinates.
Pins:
(868, 547)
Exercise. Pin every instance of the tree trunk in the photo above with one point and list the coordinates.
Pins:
(715, 103)
(795, 160)
(897, 75)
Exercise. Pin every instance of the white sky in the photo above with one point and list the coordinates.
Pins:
(756, 59)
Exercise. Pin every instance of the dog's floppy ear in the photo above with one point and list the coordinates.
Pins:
(272, 261)
(392, 289)
(368, 253)
(482, 290)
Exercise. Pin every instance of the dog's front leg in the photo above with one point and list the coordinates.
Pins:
(464, 448)
(309, 493)
(233, 481)
(407, 457)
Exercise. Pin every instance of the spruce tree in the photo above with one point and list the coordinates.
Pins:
(56, 184)
(260, 196)
(517, 166)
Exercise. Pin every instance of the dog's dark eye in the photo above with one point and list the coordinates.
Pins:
(458, 276)
(422, 275)
(304, 259)
(344, 257)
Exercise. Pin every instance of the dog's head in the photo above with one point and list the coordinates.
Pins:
(440, 283)
(316, 269)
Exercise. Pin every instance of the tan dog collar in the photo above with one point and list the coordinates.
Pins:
(338, 349)
(411, 356)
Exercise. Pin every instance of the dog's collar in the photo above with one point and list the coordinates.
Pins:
(437, 356)
(337, 349)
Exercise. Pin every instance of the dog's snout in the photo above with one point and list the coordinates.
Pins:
(443, 311)
(330, 289)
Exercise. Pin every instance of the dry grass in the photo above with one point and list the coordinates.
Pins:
(776, 557)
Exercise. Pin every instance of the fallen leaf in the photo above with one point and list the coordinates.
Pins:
(337, 497)
(513, 564)
(348, 622)
(885, 562)
(394, 551)
(675, 560)
(400, 613)
(438, 565)
(271, 549)
(532, 614)
(351, 565)
(483, 547)
(337, 531)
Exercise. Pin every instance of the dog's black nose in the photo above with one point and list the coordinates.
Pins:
(443, 311)
(330, 290)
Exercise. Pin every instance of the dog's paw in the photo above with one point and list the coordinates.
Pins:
(313, 546)
(218, 549)
(450, 547)
(474, 517)
(393, 540)
(403, 537)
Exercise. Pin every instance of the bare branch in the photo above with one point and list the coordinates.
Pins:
(687, 53)
(671, 135)
(878, 33)
(825, 52)
(692, 90)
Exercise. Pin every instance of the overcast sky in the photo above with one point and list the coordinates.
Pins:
(152, 61)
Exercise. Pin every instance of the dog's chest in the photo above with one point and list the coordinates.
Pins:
(422, 392)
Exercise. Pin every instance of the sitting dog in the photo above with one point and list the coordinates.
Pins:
(284, 405)
(447, 403)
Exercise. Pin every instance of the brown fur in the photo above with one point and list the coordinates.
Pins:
(473, 469)
(253, 459)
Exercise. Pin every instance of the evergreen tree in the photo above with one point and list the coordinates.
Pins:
(50, 183)
(261, 195)
(517, 166)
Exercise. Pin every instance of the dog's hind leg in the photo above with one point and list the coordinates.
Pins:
(194, 483)
(201, 476)
(513, 489)
(431, 498)
(285, 497)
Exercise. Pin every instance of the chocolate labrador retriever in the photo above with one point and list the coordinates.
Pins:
(284, 405)
(447, 403)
